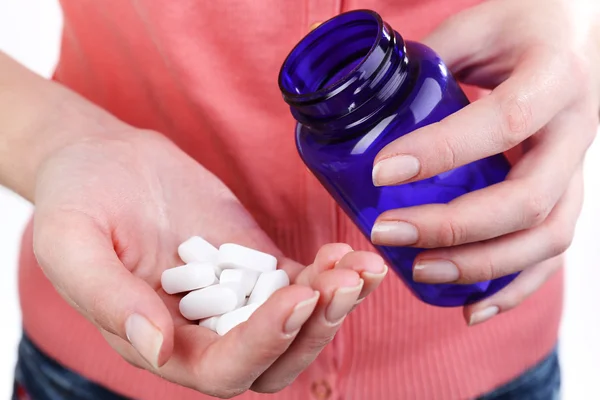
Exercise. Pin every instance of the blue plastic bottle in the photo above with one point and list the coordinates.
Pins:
(354, 85)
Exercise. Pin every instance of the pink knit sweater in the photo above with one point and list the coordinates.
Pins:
(205, 74)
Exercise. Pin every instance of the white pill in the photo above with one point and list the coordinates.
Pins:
(244, 277)
(232, 319)
(188, 277)
(196, 249)
(267, 284)
(217, 271)
(242, 299)
(210, 323)
(234, 256)
(211, 301)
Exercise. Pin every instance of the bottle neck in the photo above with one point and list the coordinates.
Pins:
(344, 74)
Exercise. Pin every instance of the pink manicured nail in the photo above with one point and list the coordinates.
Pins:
(342, 302)
(395, 170)
(483, 315)
(376, 276)
(301, 313)
(144, 337)
(394, 233)
(435, 271)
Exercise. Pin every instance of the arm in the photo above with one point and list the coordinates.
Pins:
(38, 117)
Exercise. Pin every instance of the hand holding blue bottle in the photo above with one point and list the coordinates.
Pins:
(542, 61)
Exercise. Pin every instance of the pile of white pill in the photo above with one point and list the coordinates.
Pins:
(225, 286)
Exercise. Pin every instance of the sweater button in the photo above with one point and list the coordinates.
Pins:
(321, 390)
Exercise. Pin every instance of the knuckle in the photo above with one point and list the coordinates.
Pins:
(271, 351)
(516, 119)
(316, 343)
(537, 209)
(451, 233)
(446, 154)
(480, 269)
(559, 241)
(517, 296)
(488, 271)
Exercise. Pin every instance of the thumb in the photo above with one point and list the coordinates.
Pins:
(76, 253)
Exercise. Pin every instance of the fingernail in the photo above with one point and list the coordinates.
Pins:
(394, 170)
(394, 233)
(483, 315)
(342, 302)
(374, 276)
(144, 337)
(435, 271)
(300, 315)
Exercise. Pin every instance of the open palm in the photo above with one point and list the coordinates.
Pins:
(110, 213)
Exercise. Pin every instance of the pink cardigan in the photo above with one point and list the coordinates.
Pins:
(173, 67)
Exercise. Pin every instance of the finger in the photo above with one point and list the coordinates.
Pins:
(453, 40)
(233, 362)
(132, 356)
(523, 286)
(492, 259)
(326, 258)
(339, 290)
(522, 201)
(77, 255)
(513, 112)
(369, 266)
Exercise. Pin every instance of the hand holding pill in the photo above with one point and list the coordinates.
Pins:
(112, 223)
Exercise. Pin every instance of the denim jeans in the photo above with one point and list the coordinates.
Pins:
(38, 377)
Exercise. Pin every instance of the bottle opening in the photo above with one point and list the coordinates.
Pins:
(330, 54)
(343, 71)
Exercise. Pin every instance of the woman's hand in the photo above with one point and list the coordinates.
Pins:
(110, 213)
(542, 60)
(112, 203)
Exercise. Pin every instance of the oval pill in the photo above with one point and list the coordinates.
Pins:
(244, 277)
(198, 250)
(234, 256)
(188, 277)
(267, 284)
(240, 293)
(210, 301)
(232, 319)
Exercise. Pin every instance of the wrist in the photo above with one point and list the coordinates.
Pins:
(37, 118)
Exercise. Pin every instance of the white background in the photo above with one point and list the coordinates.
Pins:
(30, 32)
